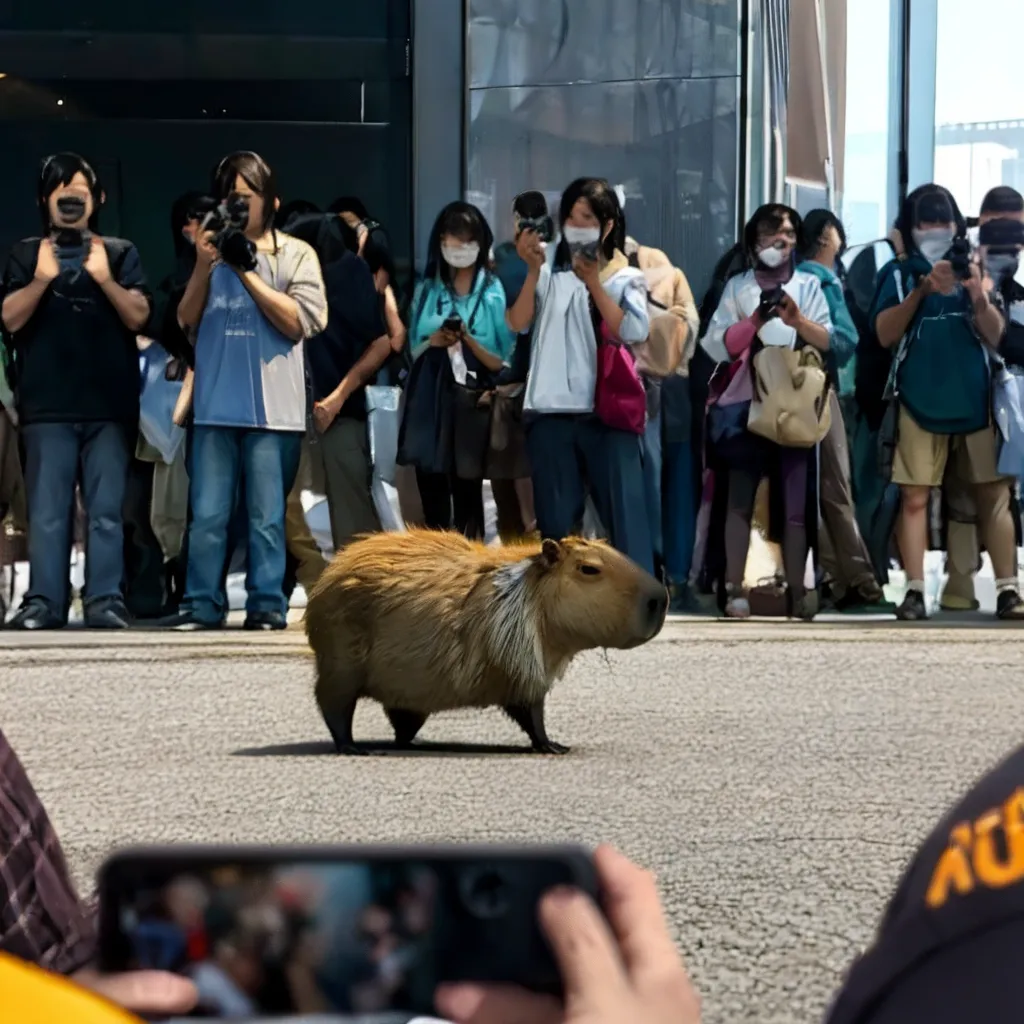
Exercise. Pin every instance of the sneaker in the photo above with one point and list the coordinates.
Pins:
(736, 605)
(913, 607)
(682, 600)
(265, 621)
(35, 615)
(955, 603)
(107, 615)
(805, 608)
(1009, 606)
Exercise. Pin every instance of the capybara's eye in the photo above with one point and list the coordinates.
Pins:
(590, 570)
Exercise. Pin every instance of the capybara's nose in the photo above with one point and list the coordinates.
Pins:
(657, 608)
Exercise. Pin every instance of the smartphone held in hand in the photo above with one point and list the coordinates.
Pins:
(343, 933)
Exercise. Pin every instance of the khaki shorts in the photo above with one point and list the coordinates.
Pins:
(921, 458)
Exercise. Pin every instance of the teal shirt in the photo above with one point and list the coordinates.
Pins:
(841, 358)
(482, 311)
(944, 379)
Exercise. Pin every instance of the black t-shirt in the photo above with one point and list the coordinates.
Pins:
(76, 361)
(354, 322)
(951, 942)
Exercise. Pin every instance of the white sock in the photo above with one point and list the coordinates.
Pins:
(917, 585)
(1008, 584)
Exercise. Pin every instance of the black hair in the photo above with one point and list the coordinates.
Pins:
(293, 208)
(181, 212)
(463, 220)
(256, 173)
(56, 172)
(349, 204)
(378, 257)
(605, 204)
(815, 224)
(1002, 199)
(934, 194)
(768, 218)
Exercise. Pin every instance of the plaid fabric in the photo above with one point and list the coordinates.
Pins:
(41, 917)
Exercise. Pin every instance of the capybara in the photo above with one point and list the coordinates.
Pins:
(426, 621)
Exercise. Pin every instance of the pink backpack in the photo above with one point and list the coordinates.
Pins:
(619, 400)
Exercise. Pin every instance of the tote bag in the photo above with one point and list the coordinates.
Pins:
(383, 422)
(158, 398)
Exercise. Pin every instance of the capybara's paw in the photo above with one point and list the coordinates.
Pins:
(551, 747)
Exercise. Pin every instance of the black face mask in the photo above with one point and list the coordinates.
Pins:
(71, 208)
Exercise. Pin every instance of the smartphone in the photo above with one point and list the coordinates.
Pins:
(453, 324)
(355, 932)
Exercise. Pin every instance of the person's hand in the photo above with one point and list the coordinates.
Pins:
(96, 264)
(627, 972)
(325, 413)
(149, 993)
(588, 271)
(789, 312)
(530, 249)
(974, 284)
(206, 251)
(47, 265)
(443, 339)
(943, 278)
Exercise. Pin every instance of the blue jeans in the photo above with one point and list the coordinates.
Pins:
(680, 480)
(261, 462)
(652, 458)
(570, 455)
(57, 456)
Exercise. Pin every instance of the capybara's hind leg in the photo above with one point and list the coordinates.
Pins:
(406, 725)
(336, 697)
(531, 721)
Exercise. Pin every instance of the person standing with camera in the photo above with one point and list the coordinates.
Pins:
(934, 306)
(73, 305)
(255, 296)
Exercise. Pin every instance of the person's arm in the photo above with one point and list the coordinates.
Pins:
(193, 302)
(396, 329)
(300, 311)
(812, 321)
(987, 318)
(521, 313)
(278, 307)
(892, 322)
(489, 360)
(326, 410)
(29, 285)
(130, 303)
(634, 320)
(729, 333)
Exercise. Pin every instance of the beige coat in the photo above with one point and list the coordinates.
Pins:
(667, 286)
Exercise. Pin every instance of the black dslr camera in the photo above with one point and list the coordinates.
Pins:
(771, 299)
(959, 257)
(71, 209)
(228, 220)
(531, 213)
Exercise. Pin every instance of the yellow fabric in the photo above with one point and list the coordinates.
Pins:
(30, 995)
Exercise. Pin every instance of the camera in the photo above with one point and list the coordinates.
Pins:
(959, 257)
(228, 220)
(771, 298)
(531, 213)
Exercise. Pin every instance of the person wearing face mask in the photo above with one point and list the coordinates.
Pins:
(944, 330)
(460, 307)
(737, 331)
(73, 305)
(575, 292)
(844, 555)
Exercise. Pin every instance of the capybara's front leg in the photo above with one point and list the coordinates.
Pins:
(531, 721)
(406, 725)
(337, 704)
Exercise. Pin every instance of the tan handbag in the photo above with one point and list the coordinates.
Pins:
(790, 404)
(184, 404)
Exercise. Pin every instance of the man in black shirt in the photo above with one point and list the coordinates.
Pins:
(341, 362)
(73, 305)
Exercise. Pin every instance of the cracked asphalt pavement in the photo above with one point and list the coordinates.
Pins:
(776, 777)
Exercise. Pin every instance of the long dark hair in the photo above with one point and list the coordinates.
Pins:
(815, 224)
(905, 220)
(56, 172)
(769, 217)
(463, 220)
(256, 173)
(605, 203)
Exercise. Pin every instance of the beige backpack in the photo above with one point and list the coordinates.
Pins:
(790, 404)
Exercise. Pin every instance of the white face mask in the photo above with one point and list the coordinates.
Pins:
(580, 236)
(934, 243)
(460, 256)
(773, 258)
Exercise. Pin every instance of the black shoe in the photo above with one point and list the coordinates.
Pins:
(913, 607)
(1009, 606)
(107, 615)
(265, 621)
(36, 615)
(185, 622)
(682, 599)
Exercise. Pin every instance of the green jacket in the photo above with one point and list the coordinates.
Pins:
(841, 358)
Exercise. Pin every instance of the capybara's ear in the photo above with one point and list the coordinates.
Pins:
(551, 553)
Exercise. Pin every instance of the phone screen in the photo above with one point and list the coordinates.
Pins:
(367, 940)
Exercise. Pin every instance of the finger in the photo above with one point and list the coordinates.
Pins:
(584, 947)
(631, 901)
(147, 992)
(495, 1004)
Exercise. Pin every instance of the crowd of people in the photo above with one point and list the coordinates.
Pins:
(844, 411)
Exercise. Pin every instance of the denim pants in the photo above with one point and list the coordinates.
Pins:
(680, 479)
(57, 456)
(261, 462)
(571, 455)
(652, 460)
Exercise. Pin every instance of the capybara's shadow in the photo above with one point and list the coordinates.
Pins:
(387, 748)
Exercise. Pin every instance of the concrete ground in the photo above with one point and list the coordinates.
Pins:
(776, 776)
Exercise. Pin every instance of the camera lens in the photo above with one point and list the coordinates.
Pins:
(484, 892)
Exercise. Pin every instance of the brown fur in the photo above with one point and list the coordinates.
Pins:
(426, 621)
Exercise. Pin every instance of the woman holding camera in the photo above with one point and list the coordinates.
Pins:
(459, 306)
(585, 295)
(772, 303)
(254, 297)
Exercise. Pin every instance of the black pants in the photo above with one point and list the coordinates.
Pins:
(452, 503)
(145, 588)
